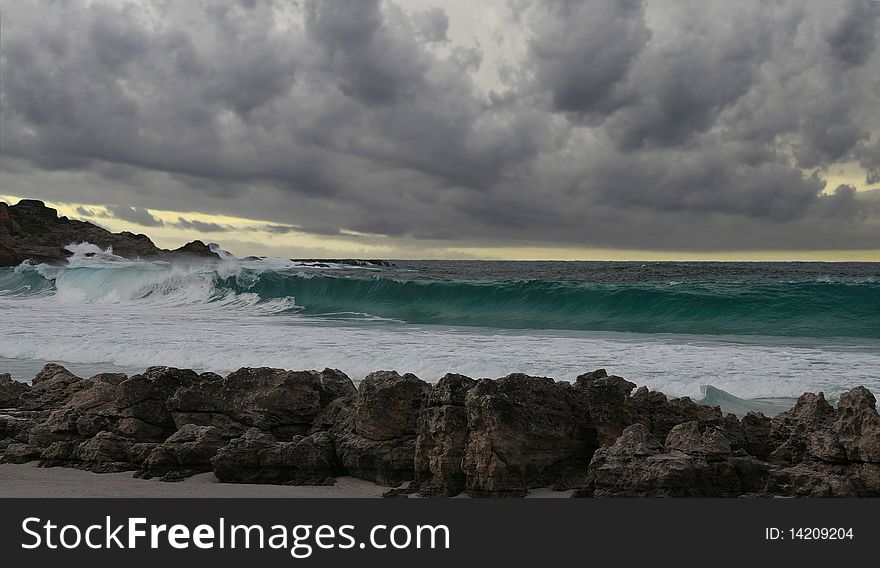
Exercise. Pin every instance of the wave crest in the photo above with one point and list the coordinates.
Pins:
(796, 309)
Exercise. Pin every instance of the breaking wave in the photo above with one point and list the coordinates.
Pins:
(275, 286)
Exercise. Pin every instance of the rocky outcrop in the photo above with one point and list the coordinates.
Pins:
(186, 452)
(695, 461)
(376, 439)
(257, 457)
(442, 436)
(284, 403)
(10, 391)
(599, 435)
(822, 451)
(525, 432)
(51, 388)
(30, 231)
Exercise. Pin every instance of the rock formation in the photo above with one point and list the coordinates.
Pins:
(30, 231)
(481, 437)
(10, 391)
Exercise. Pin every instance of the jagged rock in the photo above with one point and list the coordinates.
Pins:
(490, 438)
(607, 401)
(756, 429)
(52, 387)
(515, 444)
(196, 248)
(821, 451)
(106, 452)
(805, 432)
(442, 435)
(257, 457)
(31, 231)
(184, 453)
(733, 431)
(10, 391)
(144, 398)
(661, 414)
(704, 442)
(857, 426)
(820, 480)
(139, 452)
(15, 427)
(59, 454)
(88, 411)
(376, 440)
(335, 416)
(638, 465)
(20, 453)
(140, 430)
(284, 403)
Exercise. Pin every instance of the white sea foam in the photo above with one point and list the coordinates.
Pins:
(107, 310)
(220, 338)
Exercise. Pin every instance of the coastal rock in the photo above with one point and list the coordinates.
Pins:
(138, 454)
(824, 480)
(756, 429)
(59, 454)
(661, 415)
(488, 437)
(104, 453)
(141, 401)
(821, 451)
(607, 400)
(20, 453)
(88, 411)
(195, 248)
(258, 457)
(16, 425)
(51, 388)
(806, 433)
(442, 436)
(10, 390)
(699, 441)
(376, 440)
(695, 461)
(515, 444)
(30, 231)
(186, 452)
(857, 426)
(284, 403)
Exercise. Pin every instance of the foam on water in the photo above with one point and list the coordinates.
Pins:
(106, 310)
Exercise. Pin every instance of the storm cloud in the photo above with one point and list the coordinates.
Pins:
(662, 125)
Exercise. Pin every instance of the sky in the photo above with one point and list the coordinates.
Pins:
(563, 129)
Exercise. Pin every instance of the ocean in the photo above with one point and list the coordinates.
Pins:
(766, 331)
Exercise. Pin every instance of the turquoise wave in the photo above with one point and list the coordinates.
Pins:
(813, 309)
(794, 309)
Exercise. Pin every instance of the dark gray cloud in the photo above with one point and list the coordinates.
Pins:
(134, 215)
(680, 124)
(86, 212)
(201, 226)
(432, 24)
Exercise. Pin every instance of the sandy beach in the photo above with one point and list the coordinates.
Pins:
(30, 481)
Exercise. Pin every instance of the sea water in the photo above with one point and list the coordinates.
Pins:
(754, 330)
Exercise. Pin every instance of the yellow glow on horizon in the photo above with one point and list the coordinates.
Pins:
(238, 229)
(553, 253)
(244, 236)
